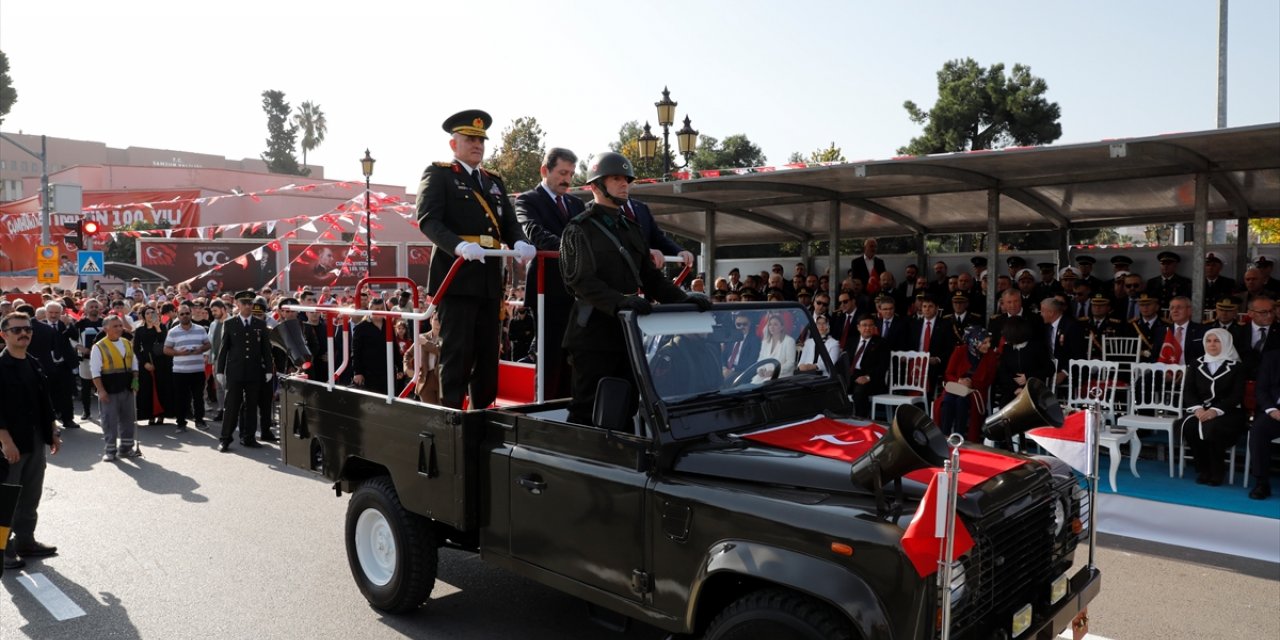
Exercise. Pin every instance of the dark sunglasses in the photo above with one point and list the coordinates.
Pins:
(844, 301)
(1132, 286)
(19, 329)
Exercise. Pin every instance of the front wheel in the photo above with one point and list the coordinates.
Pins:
(777, 614)
(392, 552)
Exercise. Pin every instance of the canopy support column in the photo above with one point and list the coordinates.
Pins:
(1062, 238)
(833, 252)
(993, 248)
(922, 260)
(1242, 245)
(1198, 243)
(709, 251)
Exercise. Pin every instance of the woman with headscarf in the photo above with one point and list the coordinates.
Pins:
(967, 381)
(1215, 420)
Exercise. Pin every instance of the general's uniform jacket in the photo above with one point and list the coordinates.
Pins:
(245, 354)
(1108, 327)
(1150, 338)
(1166, 290)
(452, 207)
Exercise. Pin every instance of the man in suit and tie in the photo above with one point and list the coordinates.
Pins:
(62, 377)
(1063, 336)
(932, 334)
(891, 327)
(844, 322)
(244, 365)
(543, 212)
(465, 210)
(1216, 286)
(867, 264)
(1258, 336)
(743, 352)
(1187, 334)
(660, 245)
(1011, 306)
(867, 367)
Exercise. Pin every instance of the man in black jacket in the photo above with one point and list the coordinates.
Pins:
(465, 210)
(659, 244)
(244, 365)
(740, 354)
(543, 212)
(867, 264)
(868, 365)
(1266, 424)
(26, 427)
(602, 258)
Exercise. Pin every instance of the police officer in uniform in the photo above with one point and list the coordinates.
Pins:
(603, 281)
(244, 365)
(1086, 275)
(464, 210)
(1169, 283)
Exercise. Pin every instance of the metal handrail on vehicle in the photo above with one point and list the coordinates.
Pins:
(335, 313)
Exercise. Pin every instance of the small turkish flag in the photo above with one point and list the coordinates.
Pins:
(922, 541)
(1170, 351)
(873, 282)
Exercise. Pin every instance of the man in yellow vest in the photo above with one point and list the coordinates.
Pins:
(115, 376)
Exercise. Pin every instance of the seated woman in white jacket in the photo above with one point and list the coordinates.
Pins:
(779, 346)
(810, 360)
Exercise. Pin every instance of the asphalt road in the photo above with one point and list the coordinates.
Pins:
(186, 542)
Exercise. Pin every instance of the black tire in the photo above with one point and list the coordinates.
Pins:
(398, 569)
(778, 614)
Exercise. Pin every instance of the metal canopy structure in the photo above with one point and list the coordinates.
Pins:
(1114, 182)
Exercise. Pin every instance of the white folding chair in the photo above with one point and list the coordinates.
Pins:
(1122, 349)
(1090, 381)
(908, 382)
(1156, 391)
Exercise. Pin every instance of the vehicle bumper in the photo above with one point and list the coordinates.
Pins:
(1084, 587)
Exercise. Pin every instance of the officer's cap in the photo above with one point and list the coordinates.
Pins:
(1229, 303)
(1025, 273)
(959, 296)
(1146, 298)
(1082, 259)
(1121, 261)
(1047, 267)
(1262, 261)
(472, 122)
(1121, 275)
(1212, 257)
(804, 292)
(978, 261)
(1168, 256)
(285, 301)
(260, 304)
(1068, 272)
(1098, 298)
(245, 296)
(1016, 262)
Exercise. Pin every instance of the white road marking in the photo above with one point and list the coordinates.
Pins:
(54, 600)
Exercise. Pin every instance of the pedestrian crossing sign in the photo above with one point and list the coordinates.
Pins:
(89, 263)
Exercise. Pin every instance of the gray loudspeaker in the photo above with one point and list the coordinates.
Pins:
(1036, 406)
(912, 442)
(287, 337)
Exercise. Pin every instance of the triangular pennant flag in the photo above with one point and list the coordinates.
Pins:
(1067, 443)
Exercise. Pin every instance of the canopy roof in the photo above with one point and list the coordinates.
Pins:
(1112, 182)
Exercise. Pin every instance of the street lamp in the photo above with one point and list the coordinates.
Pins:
(366, 166)
(687, 137)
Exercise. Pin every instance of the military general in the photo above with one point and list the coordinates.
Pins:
(464, 210)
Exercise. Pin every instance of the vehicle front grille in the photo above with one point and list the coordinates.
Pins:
(1009, 566)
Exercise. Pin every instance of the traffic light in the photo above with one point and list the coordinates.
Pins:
(80, 229)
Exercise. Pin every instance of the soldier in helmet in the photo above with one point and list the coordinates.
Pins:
(603, 281)
(464, 210)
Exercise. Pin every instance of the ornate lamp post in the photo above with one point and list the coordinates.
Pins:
(686, 138)
(366, 166)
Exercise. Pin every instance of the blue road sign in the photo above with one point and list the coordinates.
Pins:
(89, 263)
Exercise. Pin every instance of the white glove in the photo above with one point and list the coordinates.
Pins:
(269, 377)
(525, 251)
(469, 251)
(688, 258)
(658, 258)
(222, 379)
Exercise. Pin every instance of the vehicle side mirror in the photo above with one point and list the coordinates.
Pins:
(612, 406)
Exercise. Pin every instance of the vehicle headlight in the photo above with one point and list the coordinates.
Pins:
(1082, 502)
(1059, 516)
(959, 586)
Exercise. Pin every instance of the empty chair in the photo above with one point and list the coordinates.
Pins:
(1122, 349)
(908, 381)
(1156, 401)
(1094, 381)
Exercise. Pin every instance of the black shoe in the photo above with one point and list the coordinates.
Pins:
(218, 418)
(224, 447)
(180, 429)
(70, 425)
(84, 417)
(1202, 477)
(269, 437)
(1261, 491)
(202, 425)
(36, 550)
(252, 444)
(13, 562)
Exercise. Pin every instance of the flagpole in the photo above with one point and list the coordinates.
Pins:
(1092, 424)
(951, 476)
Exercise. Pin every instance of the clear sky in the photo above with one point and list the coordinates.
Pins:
(793, 76)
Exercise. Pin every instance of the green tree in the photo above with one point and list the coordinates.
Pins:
(310, 120)
(282, 136)
(831, 153)
(628, 144)
(734, 152)
(8, 95)
(124, 248)
(982, 108)
(519, 154)
(1266, 230)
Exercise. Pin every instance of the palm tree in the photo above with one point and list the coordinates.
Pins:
(310, 119)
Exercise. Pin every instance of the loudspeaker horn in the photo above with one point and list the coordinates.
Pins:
(287, 337)
(1036, 406)
(912, 442)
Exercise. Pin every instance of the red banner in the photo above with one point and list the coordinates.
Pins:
(419, 267)
(336, 265)
(20, 222)
(179, 260)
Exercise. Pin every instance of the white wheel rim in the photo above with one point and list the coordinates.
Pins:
(375, 547)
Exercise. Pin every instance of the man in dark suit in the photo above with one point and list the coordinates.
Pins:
(868, 364)
(740, 354)
(659, 244)
(1216, 286)
(1169, 283)
(933, 334)
(891, 327)
(1266, 423)
(1011, 306)
(1258, 336)
(1189, 335)
(907, 289)
(64, 376)
(1063, 336)
(54, 352)
(543, 212)
(465, 210)
(844, 322)
(244, 365)
(866, 264)
(938, 286)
